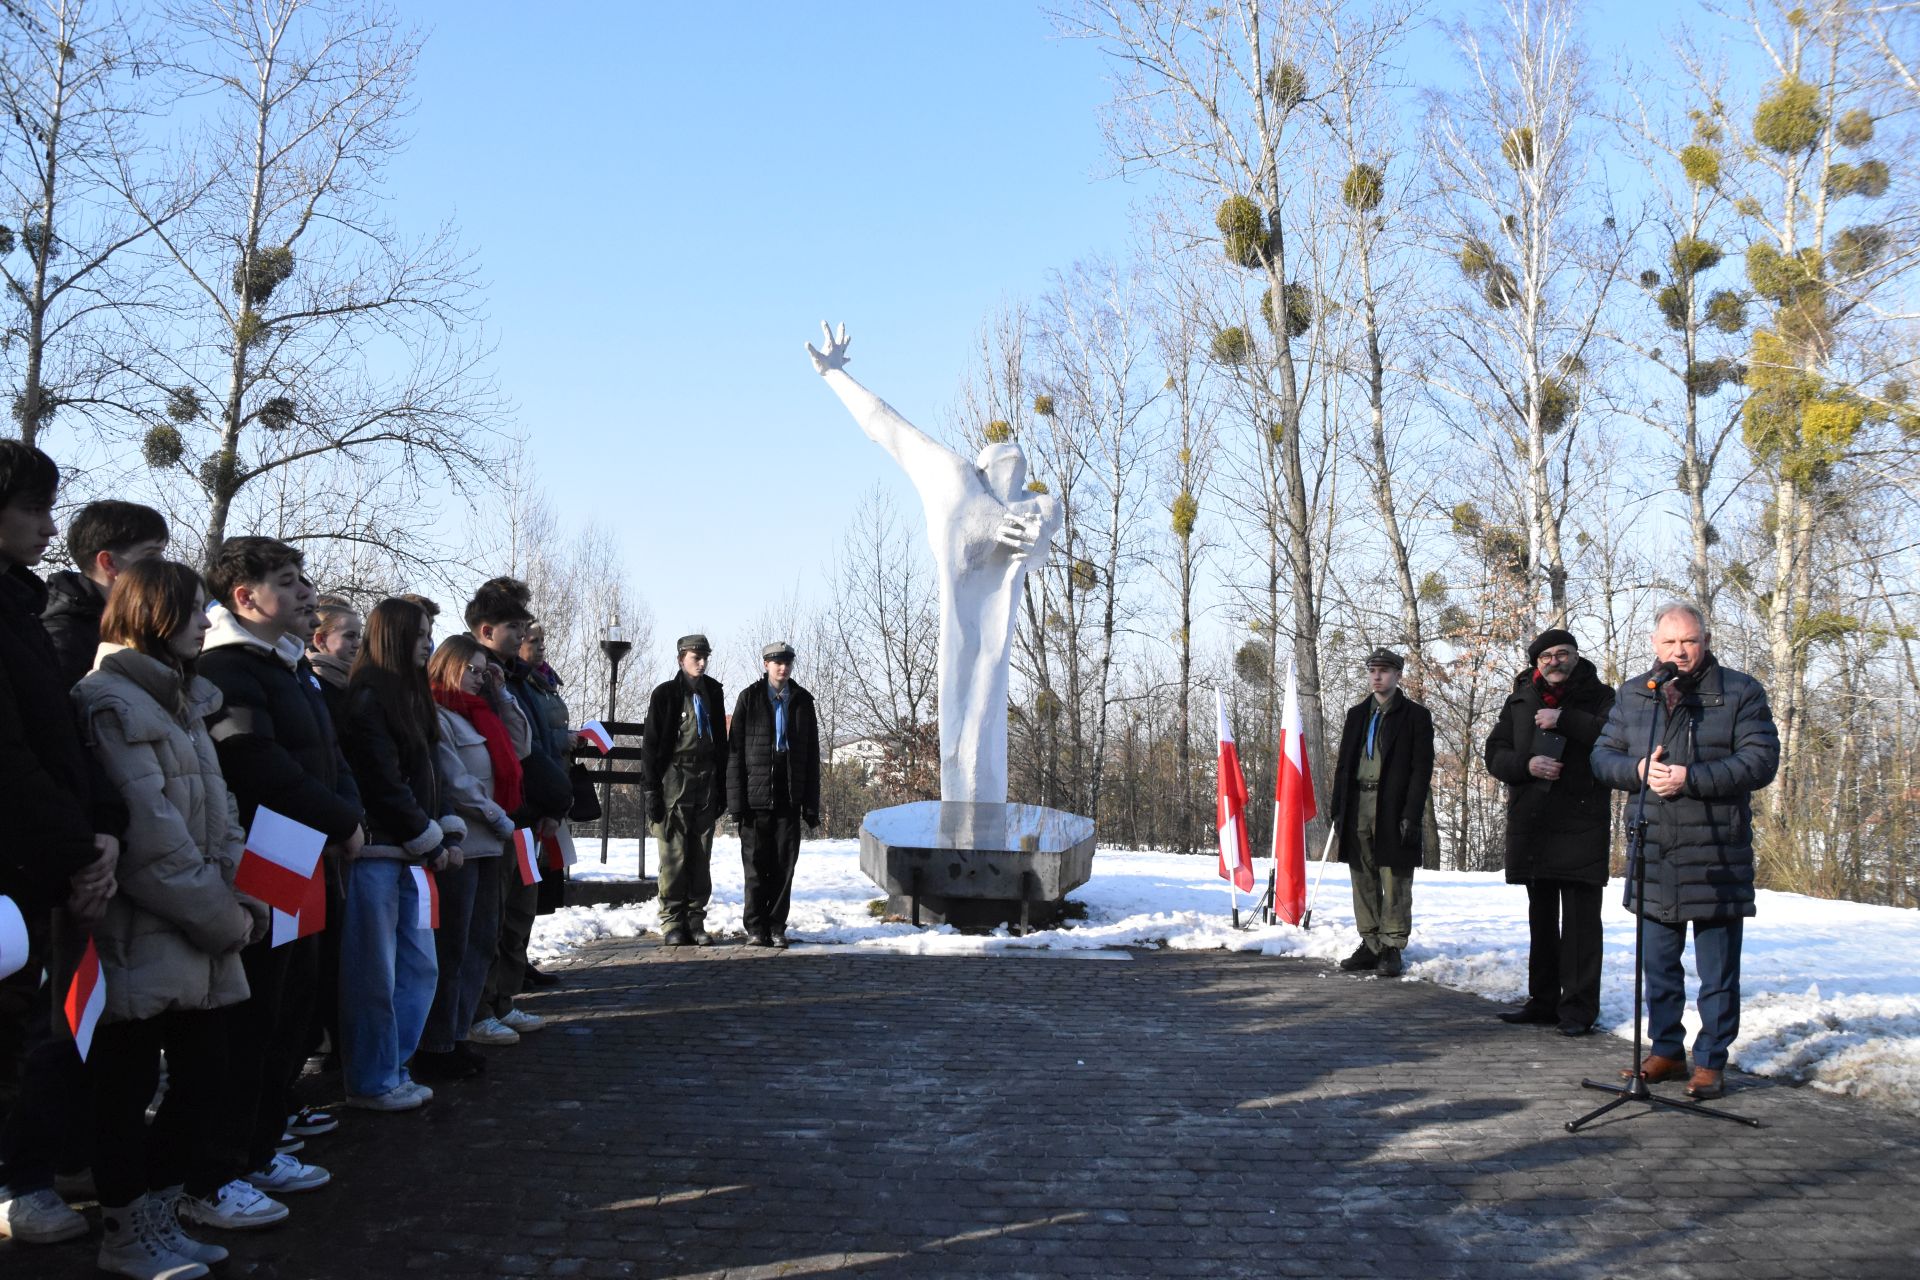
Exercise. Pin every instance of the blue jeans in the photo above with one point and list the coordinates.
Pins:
(387, 972)
(469, 932)
(1716, 956)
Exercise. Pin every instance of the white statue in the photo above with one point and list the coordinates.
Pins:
(984, 527)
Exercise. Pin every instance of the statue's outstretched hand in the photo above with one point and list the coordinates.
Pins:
(835, 356)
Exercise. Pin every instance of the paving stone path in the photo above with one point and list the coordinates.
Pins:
(741, 1113)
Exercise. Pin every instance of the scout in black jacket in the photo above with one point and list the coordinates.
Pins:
(773, 785)
(686, 746)
(1380, 790)
(1558, 826)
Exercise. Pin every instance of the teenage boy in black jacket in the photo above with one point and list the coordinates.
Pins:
(104, 538)
(278, 750)
(773, 785)
(59, 842)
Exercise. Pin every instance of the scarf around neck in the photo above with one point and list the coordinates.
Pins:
(506, 766)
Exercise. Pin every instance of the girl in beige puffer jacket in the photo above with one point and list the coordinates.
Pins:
(170, 941)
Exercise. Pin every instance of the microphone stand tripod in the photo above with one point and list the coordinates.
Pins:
(1635, 1089)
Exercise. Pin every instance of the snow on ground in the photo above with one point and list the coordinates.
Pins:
(1830, 990)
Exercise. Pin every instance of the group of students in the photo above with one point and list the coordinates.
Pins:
(148, 715)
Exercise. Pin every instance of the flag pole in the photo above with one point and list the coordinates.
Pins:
(1306, 920)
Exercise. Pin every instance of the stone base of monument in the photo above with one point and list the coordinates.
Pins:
(976, 866)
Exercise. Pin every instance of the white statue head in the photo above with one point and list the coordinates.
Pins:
(1005, 468)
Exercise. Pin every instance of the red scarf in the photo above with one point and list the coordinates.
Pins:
(1549, 694)
(506, 765)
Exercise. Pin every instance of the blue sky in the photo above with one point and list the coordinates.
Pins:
(666, 199)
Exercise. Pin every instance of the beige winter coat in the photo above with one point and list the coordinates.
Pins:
(172, 934)
(466, 781)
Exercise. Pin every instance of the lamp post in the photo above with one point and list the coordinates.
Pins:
(616, 646)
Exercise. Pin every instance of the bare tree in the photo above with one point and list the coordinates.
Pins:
(304, 325)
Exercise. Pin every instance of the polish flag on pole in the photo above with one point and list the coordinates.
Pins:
(596, 733)
(278, 866)
(1236, 861)
(86, 999)
(1293, 808)
(426, 892)
(526, 853)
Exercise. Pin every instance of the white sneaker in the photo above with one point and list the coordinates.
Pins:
(165, 1207)
(493, 1031)
(402, 1097)
(521, 1022)
(288, 1174)
(234, 1207)
(417, 1089)
(136, 1246)
(40, 1217)
(289, 1144)
(310, 1122)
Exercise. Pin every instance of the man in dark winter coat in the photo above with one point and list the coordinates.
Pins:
(59, 845)
(1715, 746)
(104, 539)
(1380, 790)
(686, 750)
(773, 785)
(1558, 823)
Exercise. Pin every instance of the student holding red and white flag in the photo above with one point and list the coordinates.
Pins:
(1230, 815)
(1293, 808)
(166, 955)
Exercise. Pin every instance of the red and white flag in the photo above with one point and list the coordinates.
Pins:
(86, 999)
(1236, 860)
(1293, 808)
(526, 852)
(426, 892)
(313, 907)
(596, 733)
(280, 866)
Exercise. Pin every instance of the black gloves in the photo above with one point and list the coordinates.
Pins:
(810, 816)
(656, 808)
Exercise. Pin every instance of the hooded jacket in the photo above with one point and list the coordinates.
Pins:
(1557, 829)
(172, 933)
(1699, 846)
(275, 736)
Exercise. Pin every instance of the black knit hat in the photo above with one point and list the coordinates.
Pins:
(1548, 639)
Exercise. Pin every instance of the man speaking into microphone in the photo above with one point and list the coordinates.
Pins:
(1717, 746)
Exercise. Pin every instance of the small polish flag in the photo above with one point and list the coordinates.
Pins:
(13, 938)
(86, 999)
(313, 906)
(527, 854)
(280, 861)
(1230, 818)
(426, 891)
(596, 733)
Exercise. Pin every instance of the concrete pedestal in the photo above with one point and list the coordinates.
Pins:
(976, 866)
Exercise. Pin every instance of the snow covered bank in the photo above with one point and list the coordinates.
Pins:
(1831, 990)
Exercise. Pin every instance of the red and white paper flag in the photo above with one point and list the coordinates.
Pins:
(426, 891)
(1236, 860)
(313, 907)
(13, 938)
(86, 999)
(1293, 808)
(557, 850)
(280, 866)
(526, 853)
(596, 733)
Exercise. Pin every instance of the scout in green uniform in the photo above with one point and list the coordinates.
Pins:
(686, 745)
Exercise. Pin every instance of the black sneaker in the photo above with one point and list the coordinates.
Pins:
(1529, 1014)
(700, 936)
(537, 977)
(1575, 1027)
(1390, 966)
(678, 936)
(759, 938)
(779, 942)
(1363, 957)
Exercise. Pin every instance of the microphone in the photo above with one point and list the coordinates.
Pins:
(1662, 674)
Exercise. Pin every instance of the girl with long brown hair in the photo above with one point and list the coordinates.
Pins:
(387, 963)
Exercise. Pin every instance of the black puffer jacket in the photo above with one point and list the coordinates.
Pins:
(275, 735)
(1699, 843)
(750, 742)
(665, 708)
(1559, 829)
(406, 818)
(72, 617)
(51, 788)
(543, 772)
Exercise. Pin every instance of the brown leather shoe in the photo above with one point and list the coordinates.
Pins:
(1706, 1083)
(1654, 1069)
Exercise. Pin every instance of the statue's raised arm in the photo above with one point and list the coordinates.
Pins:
(919, 455)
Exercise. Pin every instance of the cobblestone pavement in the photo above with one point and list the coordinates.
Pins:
(741, 1113)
